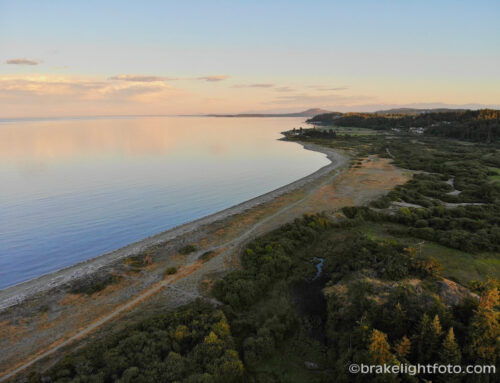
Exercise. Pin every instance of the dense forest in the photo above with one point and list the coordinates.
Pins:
(475, 125)
(323, 292)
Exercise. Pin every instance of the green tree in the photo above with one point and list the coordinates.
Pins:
(436, 328)
(450, 355)
(450, 351)
(428, 340)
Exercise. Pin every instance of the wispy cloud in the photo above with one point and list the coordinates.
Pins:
(22, 62)
(213, 78)
(140, 78)
(47, 86)
(335, 89)
(253, 86)
(329, 89)
(326, 99)
(50, 94)
(266, 86)
(284, 89)
(76, 88)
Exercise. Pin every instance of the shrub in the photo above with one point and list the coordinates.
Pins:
(94, 286)
(188, 249)
(171, 271)
(207, 256)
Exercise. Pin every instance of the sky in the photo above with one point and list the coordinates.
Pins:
(85, 58)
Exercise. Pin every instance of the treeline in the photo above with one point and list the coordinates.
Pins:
(473, 130)
(475, 125)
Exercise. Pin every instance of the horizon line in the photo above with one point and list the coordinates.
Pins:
(111, 116)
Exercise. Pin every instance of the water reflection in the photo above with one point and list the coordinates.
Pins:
(66, 140)
(74, 189)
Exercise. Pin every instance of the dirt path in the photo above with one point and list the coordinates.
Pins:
(137, 300)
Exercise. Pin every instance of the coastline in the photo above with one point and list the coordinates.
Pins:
(18, 293)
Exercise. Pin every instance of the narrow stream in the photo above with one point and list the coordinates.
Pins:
(319, 267)
(310, 302)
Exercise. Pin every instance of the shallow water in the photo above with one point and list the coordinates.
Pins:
(73, 189)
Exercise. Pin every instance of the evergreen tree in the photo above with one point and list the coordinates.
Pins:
(436, 328)
(450, 355)
(485, 329)
(403, 347)
(380, 350)
(450, 351)
(429, 338)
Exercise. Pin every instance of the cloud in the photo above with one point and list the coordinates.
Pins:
(308, 99)
(284, 89)
(22, 62)
(213, 78)
(334, 89)
(132, 91)
(253, 86)
(47, 85)
(77, 88)
(324, 88)
(265, 85)
(140, 78)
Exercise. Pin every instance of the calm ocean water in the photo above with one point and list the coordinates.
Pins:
(73, 189)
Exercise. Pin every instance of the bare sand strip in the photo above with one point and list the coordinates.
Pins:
(18, 293)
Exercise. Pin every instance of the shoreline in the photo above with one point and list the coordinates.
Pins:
(18, 293)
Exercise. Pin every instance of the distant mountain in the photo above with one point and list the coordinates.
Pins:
(306, 113)
(312, 112)
(418, 111)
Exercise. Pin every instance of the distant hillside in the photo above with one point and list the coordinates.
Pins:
(312, 112)
(413, 111)
(329, 118)
(306, 113)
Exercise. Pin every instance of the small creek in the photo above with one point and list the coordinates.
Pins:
(310, 302)
(319, 267)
